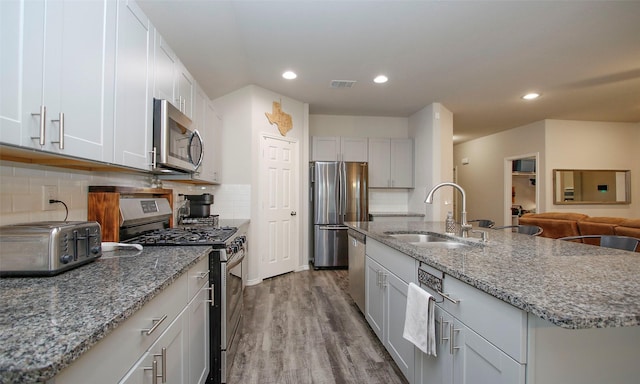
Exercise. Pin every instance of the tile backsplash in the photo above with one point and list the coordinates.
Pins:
(388, 200)
(21, 192)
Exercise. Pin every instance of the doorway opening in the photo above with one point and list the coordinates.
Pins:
(521, 186)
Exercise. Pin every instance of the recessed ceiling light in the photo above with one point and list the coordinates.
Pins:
(531, 96)
(380, 79)
(289, 75)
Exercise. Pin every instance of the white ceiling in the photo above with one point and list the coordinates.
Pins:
(475, 57)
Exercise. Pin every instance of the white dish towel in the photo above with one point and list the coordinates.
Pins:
(419, 323)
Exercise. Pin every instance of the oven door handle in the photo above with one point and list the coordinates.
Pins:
(235, 261)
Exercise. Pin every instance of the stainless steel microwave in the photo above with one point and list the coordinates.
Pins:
(176, 146)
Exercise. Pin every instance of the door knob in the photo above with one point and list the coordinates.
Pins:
(293, 213)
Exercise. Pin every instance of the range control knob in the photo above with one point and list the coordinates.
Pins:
(66, 258)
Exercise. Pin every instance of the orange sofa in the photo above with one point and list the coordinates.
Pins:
(554, 224)
(559, 224)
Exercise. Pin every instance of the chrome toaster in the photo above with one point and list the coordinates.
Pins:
(48, 248)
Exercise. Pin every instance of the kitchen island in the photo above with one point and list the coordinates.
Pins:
(574, 309)
(47, 323)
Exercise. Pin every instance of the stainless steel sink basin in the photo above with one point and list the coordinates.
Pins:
(428, 240)
(417, 237)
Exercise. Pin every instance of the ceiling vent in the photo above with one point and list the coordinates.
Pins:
(340, 84)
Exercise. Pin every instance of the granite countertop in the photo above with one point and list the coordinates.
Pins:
(571, 285)
(48, 322)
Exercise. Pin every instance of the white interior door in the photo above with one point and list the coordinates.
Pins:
(279, 192)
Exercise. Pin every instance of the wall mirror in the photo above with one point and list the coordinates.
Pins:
(587, 186)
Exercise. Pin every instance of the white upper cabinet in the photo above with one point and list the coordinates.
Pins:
(391, 163)
(202, 123)
(67, 74)
(332, 148)
(172, 81)
(165, 64)
(185, 90)
(11, 29)
(134, 105)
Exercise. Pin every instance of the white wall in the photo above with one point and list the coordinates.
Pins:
(560, 144)
(483, 178)
(432, 131)
(244, 125)
(593, 145)
(358, 126)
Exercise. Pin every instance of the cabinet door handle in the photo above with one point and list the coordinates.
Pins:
(163, 356)
(384, 280)
(211, 301)
(157, 323)
(442, 323)
(154, 371)
(153, 158)
(202, 275)
(452, 332)
(60, 121)
(43, 123)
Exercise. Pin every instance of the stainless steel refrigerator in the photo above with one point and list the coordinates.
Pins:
(339, 193)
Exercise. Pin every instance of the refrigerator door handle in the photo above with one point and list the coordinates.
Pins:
(332, 227)
(343, 191)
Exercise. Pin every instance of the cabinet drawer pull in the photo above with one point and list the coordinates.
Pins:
(444, 295)
(202, 275)
(43, 123)
(156, 324)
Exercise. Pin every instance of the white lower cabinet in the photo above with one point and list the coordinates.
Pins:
(165, 361)
(172, 330)
(386, 301)
(463, 356)
(479, 339)
(198, 339)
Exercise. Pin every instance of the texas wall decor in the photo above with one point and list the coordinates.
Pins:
(279, 118)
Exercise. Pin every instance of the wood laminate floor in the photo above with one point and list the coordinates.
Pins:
(303, 327)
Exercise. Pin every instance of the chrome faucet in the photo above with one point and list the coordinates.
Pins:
(464, 226)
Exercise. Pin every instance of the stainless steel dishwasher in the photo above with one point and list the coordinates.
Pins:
(356, 267)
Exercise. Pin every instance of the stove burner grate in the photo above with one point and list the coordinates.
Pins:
(185, 236)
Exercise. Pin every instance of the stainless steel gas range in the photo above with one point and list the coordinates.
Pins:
(144, 222)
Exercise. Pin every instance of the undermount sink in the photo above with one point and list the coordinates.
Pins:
(428, 240)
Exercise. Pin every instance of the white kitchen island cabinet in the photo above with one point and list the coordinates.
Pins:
(465, 355)
(386, 280)
(391, 163)
(527, 309)
(67, 50)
